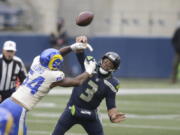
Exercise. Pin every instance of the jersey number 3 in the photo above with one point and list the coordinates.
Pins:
(89, 93)
(34, 84)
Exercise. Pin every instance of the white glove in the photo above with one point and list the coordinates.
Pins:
(89, 47)
(90, 64)
(81, 46)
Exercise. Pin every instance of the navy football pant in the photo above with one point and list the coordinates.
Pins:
(66, 121)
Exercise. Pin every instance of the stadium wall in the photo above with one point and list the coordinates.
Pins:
(28, 46)
(141, 57)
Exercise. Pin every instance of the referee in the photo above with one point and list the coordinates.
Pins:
(12, 69)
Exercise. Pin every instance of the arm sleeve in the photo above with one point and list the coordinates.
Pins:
(113, 86)
(81, 57)
(23, 73)
(175, 37)
(59, 76)
(110, 99)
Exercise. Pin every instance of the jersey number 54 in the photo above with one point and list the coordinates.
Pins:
(34, 84)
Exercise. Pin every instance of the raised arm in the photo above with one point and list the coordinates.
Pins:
(90, 65)
(81, 57)
(81, 44)
(65, 50)
(81, 54)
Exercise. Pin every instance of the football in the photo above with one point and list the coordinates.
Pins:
(84, 18)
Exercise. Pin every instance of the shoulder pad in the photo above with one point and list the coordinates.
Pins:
(59, 75)
(113, 84)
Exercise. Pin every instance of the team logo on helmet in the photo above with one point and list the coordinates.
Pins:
(51, 58)
(55, 62)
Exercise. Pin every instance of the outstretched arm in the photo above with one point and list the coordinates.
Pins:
(90, 65)
(65, 50)
(81, 44)
(71, 82)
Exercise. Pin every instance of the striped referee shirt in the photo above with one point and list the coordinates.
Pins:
(10, 71)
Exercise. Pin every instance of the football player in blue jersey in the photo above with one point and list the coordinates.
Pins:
(85, 99)
(45, 73)
(6, 122)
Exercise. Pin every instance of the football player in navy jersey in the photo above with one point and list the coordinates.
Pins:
(85, 99)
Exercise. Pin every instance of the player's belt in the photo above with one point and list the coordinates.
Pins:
(83, 113)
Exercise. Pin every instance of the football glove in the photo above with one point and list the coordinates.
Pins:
(90, 64)
(81, 46)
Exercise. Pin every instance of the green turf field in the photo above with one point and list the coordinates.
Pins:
(146, 114)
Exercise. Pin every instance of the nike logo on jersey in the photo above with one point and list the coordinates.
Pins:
(86, 112)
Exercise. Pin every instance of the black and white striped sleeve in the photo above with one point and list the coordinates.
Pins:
(21, 68)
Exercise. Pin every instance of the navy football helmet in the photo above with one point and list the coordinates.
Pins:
(114, 58)
(51, 58)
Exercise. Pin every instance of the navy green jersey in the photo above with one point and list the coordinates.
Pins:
(90, 94)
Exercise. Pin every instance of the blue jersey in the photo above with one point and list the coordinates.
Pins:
(90, 94)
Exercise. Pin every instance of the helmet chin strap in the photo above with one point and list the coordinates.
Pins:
(102, 71)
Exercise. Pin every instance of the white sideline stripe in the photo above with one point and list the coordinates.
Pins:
(67, 91)
(105, 116)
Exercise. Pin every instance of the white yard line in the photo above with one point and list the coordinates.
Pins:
(46, 105)
(67, 91)
(104, 116)
(142, 126)
(109, 125)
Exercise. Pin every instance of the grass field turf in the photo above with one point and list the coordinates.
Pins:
(146, 114)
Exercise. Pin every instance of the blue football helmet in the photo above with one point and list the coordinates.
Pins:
(51, 58)
(6, 121)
